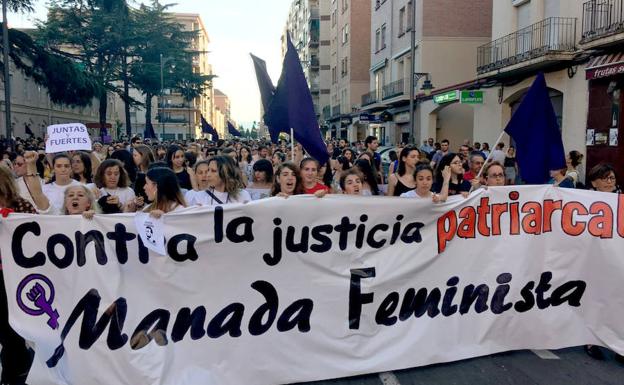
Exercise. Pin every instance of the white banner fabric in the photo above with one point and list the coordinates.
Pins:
(301, 289)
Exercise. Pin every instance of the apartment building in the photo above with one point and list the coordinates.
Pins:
(349, 60)
(179, 118)
(222, 112)
(447, 34)
(304, 26)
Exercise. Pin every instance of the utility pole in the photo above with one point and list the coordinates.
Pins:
(412, 93)
(7, 74)
(161, 103)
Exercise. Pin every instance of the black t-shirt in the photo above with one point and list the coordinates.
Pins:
(454, 188)
(184, 179)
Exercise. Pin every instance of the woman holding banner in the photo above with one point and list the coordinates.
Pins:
(423, 175)
(602, 178)
(162, 188)
(15, 357)
(55, 189)
(457, 185)
(116, 195)
(218, 183)
(287, 181)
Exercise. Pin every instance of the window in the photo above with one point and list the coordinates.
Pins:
(345, 34)
(333, 18)
(401, 21)
(377, 37)
(334, 76)
(383, 36)
(345, 5)
(379, 81)
(345, 67)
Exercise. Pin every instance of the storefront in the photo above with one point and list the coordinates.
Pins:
(605, 74)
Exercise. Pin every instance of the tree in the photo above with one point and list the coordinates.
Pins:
(66, 82)
(86, 31)
(164, 39)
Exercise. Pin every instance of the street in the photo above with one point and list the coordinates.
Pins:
(566, 366)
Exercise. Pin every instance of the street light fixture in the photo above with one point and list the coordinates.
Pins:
(162, 88)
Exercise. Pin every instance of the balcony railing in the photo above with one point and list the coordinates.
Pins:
(393, 89)
(602, 18)
(173, 119)
(326, 112)
(552, 35)
(369, 98)
(336, 110)
(172, 105)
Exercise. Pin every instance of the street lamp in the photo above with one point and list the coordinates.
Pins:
(162, 88)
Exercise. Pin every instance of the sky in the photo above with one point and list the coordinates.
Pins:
(235, 28)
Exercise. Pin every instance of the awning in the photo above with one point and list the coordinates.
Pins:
(605, 65)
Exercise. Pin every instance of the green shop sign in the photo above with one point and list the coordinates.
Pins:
(446, 97)
(471, 97)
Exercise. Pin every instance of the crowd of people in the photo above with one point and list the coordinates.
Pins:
(166, 177)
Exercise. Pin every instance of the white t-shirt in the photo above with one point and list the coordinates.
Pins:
(56, 194)
(412, 194)
(125, 194)
(204, 199)
(258, 193)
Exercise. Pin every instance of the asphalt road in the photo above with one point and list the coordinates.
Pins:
(558, 367)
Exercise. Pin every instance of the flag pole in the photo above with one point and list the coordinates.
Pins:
(292, 144)
(478, 176)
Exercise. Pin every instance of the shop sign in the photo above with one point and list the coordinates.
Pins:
(597, 73)
(403, 117)
(447, 97)
(471, 97)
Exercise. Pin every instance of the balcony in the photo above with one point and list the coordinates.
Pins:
(603, 23)
(336, 110)
(326, 112)
(172, 105)
(369, 98)
(394, 89)
(173, 119)
(550, 40)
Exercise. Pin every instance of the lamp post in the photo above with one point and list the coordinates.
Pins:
(7, 77)
(161, 104)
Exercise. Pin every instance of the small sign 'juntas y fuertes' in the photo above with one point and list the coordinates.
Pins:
(67, 137)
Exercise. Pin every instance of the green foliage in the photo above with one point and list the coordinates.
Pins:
(65, 82)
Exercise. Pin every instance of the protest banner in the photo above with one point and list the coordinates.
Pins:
(301, 289)
(67, 137)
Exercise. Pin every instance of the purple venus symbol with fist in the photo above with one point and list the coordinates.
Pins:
(35, 295)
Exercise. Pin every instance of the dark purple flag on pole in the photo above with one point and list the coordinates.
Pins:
(292, 107)
(208, 129)
(232, 130)
(534, 128)
(267, 90)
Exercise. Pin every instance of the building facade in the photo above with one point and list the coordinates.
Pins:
(445, 45)
(349, 60)
(602, 34)
(528, 37)
(179, 118)
(305, 18)
(222, 112)
(31, 107)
